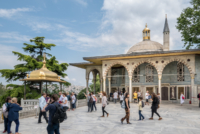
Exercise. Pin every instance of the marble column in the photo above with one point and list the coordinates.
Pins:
(130, 89)
(94, 80)
(87, 80)
(104, 84)
(109, 83)
(41, 87)
(159, 85)
(101, 84)
(192, 89)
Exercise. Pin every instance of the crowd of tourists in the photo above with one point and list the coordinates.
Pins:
(62, 103)
(66, 102)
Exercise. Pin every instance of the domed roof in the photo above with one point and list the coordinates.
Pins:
(145, 46)
(43, 74)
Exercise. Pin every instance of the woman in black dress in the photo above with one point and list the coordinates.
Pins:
(154, 106)
(127, 109)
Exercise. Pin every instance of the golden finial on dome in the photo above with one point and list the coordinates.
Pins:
(44, 61)
(146, 33)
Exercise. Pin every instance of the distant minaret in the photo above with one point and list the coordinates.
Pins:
(166, 35)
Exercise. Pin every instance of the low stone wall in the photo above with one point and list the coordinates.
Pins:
(27, 111)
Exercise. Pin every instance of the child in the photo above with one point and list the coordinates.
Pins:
(140, 109)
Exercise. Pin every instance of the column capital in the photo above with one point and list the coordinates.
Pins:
(192, 76)
(130, 77)
(109, 79)
(159, 76)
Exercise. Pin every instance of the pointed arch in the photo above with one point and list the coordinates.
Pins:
(115, 63)
(141, 62)
(178, 60)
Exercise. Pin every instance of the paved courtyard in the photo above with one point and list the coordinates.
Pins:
(176, 120)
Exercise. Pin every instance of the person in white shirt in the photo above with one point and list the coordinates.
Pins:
(115, 96)
(147, 97)
(100, 95)
(121, 98)
(42, 103)
(182, 98)
(61, 97)
(65, 102)
(104, 104)
(94, 101)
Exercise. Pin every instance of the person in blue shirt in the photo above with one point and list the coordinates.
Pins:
(13, 115)
(42, 103)
(52, 127)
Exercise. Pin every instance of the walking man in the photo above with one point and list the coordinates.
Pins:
(42, 103)
(115, 95)
(52, 127)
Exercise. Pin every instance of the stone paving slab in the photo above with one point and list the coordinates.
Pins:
(176, 120)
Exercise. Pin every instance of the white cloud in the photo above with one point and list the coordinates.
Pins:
(13, 37)
(82, 2)
(11, 12)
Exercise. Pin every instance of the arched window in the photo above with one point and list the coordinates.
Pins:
(149, 73)
(136, 75)
(180, 72)
(113, 76)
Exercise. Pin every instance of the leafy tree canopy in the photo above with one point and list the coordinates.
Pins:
(189, 25)
(32, 62)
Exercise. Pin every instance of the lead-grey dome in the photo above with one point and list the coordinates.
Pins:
(145, 46)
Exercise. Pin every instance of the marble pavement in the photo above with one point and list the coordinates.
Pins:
(176, 120)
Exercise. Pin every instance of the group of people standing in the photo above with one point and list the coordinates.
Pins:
(91, 101)
(11, 113)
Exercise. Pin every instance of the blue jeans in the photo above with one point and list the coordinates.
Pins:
(94, 105)
(17, 125)
(53, 128)
(140, 115)
(5, 123)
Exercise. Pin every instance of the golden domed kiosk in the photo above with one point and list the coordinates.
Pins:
(42, 75)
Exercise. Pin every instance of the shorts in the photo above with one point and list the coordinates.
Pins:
(147, 100)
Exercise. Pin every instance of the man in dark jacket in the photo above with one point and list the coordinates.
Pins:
(52, 127)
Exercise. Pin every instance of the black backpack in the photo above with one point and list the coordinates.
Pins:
(60, 114)
(142, 104)
(91, 99)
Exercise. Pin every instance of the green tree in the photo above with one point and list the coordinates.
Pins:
(97, 86)
(189, 25)
(32, 62)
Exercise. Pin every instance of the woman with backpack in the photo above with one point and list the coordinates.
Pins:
(141, 105)
(104, 104)
(127, 109)
(13, 115)
(154, 106)
(5, 113)
(182, 98)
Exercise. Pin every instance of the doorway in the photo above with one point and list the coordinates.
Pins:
(164, 93)
(180, 90)
(150, 89)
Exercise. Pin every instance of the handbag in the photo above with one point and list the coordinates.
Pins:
(107, 102)
(183, 97)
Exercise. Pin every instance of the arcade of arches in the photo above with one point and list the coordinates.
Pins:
(149, 65)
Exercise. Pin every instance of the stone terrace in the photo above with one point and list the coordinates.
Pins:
(176, 120)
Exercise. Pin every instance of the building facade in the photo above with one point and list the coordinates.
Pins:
(149, 66)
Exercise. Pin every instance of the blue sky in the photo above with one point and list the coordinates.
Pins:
(83, 28)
